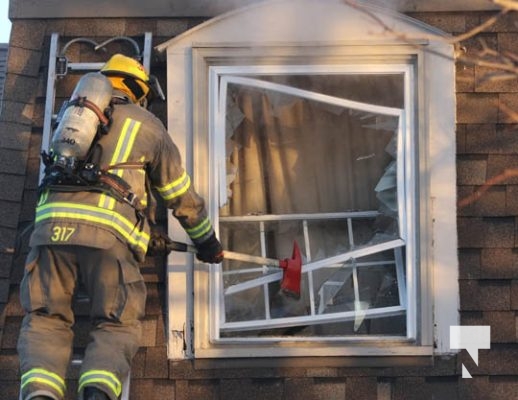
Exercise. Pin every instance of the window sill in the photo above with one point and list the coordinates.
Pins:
(316, 362)
(329, 354)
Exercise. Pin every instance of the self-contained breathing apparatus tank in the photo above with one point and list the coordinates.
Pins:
(83, 116)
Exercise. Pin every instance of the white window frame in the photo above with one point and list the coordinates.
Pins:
(189, 57)
(220, 77)
(217, 64)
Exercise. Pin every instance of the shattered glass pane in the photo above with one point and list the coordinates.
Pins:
(322, 172)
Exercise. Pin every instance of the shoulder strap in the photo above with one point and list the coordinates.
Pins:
(152, 203)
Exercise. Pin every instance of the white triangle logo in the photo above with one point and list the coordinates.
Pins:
(465, 373)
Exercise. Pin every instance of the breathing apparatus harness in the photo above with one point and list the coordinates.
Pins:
(71, 174)
(88, 176)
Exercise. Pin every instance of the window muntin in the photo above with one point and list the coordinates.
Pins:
(320, 155)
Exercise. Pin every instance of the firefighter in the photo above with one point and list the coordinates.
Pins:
(94, 230)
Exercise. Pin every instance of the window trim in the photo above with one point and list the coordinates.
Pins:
(208, 59)
(221, 76)
(187, 55)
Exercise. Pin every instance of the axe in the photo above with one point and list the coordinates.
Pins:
(292, 267)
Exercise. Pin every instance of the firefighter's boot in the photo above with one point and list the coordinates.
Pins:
(92, 393)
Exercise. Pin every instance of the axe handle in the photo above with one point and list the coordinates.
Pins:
(249, 258)
(231, 255)
(179, 246)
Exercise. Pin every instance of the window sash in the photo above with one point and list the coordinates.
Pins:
(221, 76)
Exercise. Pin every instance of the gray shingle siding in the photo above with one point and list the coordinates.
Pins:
(3, 69)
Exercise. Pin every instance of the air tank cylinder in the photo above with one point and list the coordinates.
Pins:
(79, 124)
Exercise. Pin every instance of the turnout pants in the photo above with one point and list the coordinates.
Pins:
(117, 295)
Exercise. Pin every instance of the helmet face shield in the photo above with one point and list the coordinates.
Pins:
(135, 89)
(138, 88)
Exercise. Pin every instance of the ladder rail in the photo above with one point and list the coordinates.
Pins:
(50, 98)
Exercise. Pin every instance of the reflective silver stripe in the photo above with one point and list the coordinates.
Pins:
(176, 188)
(44, 377)
(105, 378)
(121, 154)
(204, 228)
(112, 219)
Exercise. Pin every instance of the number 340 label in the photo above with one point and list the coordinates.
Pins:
(62, 233)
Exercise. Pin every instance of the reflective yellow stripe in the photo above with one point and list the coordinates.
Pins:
(102, 377)
(44, 381)
(43, 197)
(121, 154)
(44, 377)
(173, 184)
(44, 372)
(97, 215)
(175, 188)
(199, 230)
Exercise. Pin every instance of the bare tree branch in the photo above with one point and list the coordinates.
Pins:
(450, 39)
(509, 4)
(504, 65)
(504, 62)
(508, 173)
(475, 31)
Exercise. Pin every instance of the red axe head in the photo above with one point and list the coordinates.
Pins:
(292, 273)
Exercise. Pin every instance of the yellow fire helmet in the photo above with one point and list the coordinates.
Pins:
(128, 75)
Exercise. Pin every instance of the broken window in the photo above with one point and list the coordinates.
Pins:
(317, 160)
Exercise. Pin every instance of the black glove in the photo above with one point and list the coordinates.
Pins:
(158, 243)
(210, 250)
